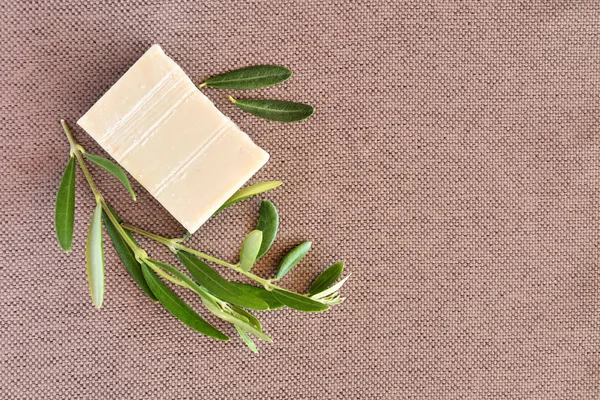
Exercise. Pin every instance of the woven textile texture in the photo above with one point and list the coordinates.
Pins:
(453, 163)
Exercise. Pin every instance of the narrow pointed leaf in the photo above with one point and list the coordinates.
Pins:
(252, 320)
(127, 256)
(112, 169)
(217, 285)
(171, 273)
(249, 191)
(275, 110)
(178, 307)
(237, 321)
(64, 211)
(326, 278)
(247, 340)
(292, 258)
(261, 293)
(254, 77)
(94, 258)
(331, 290)
(332, 300)
(268, 224)
(250, 248)
(299, 302)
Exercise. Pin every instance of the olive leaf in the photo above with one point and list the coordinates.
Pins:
(94, 258)
(244, 325)
(251, 319)
(247, 340)
(126, 254)
(268, 223)
(249, 191)
(217, 285)
(330, 290)
(178, 307)
(254, 77)
(298, 302)
(260, 292)
(64, 210)
(326, 278)
(292, 258)
(250, 248)
(275, 110)
(172, 274)
(112, 169)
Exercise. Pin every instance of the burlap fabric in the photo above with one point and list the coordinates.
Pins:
(453, 163)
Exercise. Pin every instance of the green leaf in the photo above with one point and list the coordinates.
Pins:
(326, 278)
(252, 320)
(178, 307)
(174, 275)
(126, 255)
(249, 191)
(261, 293)
(298, 302)
(254, 77)
(217, 285)
(238, 321)
(331, 290)
(112, 169)
(292, 258)
(275, 110)
(94, 258)
(250, 248)
(268, 223)
(246, 339)
(64, 211)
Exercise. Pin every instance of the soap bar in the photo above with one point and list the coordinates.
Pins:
(172, 139)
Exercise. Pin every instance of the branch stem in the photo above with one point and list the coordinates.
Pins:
(175, 245)
(76, 150)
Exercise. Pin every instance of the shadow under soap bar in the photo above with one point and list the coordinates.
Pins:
(172, 139)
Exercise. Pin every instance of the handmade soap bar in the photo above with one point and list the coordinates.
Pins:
(172, 139)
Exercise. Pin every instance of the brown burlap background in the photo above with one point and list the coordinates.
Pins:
(453, 163)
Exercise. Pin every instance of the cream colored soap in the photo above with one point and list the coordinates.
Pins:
(172, 139)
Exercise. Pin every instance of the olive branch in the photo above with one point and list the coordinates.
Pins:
(224, 299)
